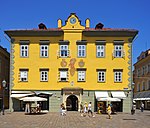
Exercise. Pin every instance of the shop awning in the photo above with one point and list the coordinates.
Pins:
(101, 94)
(118, 94)
(109, 99)
(41, 92)
(141, 99)
(20, 95)
(34, 98)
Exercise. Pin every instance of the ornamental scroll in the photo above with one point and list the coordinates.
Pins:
(72, 68)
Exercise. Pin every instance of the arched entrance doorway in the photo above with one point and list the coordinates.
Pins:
(72, 103)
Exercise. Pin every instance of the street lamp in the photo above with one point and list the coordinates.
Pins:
(3, 88)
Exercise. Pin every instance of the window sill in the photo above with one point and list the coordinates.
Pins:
(63, 81)
(117, 81)
(101, 82)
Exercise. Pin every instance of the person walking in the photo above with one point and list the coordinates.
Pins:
(81, 109)
(63, 109)
(27, 108)
(85, 106)
(90, 109)
(109, 111)
(142, 107)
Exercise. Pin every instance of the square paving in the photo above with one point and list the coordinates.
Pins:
(74, 120)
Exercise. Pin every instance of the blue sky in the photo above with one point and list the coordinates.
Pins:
(27, 14)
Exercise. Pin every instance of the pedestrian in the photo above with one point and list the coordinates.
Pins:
(85, 106)
(63, 109)
(81, 109)
(90, 109)
(27, 108)
(38, 108)
(109, 111)
(133, 109)
(142, 106)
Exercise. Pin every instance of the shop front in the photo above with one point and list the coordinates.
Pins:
(114, 98)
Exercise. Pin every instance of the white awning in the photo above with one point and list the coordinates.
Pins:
(41, 92)
(118, 94)
(20, 95)
(101, 94)
(109, 99)
(141, 99)
(34, 98)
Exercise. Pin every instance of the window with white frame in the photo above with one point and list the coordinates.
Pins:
(43, 75)
(100, 50)
(118, 75)
(81, 50)
(24, 50)
(81, 75)
(23, 75)
(63, 75)
(143, 86)
(101, 75)
(118, 51)
(43, 50)
(138, 87)
(64, 51)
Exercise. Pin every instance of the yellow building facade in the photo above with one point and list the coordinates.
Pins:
(72, 64)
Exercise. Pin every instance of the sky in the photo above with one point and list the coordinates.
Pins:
(27, 14)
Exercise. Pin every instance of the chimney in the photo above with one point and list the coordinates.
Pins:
(99, 26)
(42, 26)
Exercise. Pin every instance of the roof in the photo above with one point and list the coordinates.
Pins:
(59, 32)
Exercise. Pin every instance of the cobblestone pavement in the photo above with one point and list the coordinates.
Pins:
(75, 120)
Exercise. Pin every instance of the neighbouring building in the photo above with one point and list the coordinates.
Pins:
(142, 80)
(72, 63)
(4, 75)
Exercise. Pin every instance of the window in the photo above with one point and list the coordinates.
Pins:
(44, 75)
(1, 65)
(81, 50)
(148, 88)
(148, 68)
(143, 70)
(43, 50)
(63, 75)
(118, 76)
(100, 50)
(23, 75)
(101, 76)
(64, 52)
(118, 52)
(138, 72)
(24, 50)
(81, 75)
(138, 87)
(143, 86)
